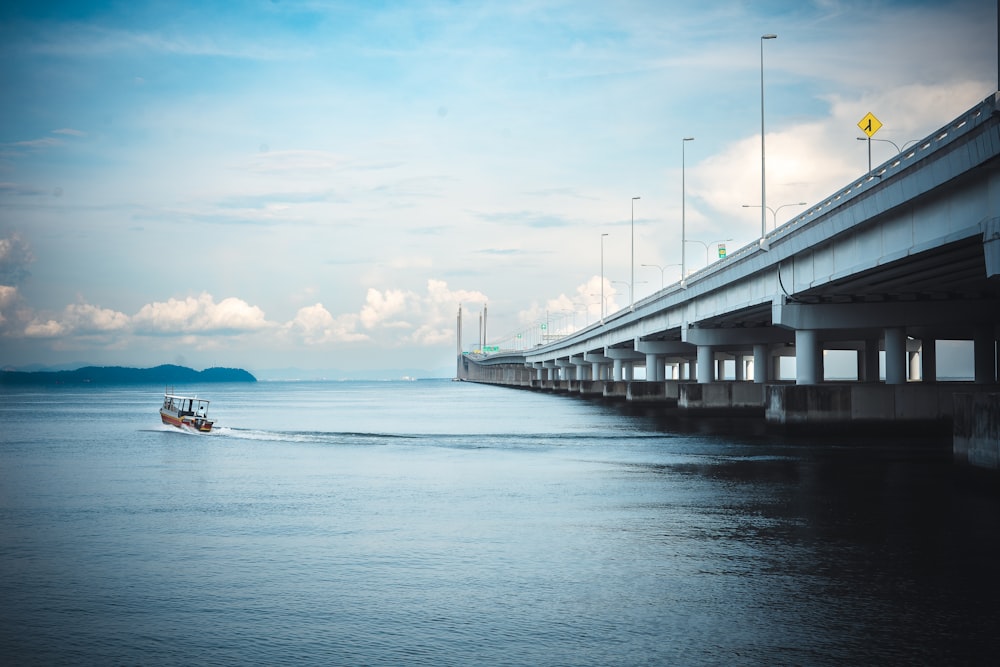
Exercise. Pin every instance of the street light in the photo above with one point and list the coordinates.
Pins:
(627, 286)
(763, 178)
(631, 290)
(774, 211)
(887, 141)
(683, 205)
(602, 277)
(661, 268)
(710, 243)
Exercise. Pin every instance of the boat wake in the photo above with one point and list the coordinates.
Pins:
(311, 437)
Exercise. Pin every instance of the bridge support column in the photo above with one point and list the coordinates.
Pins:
(581, 368)
(868, 361)
(985, 353)
(598, 365)
(928, 360)
(895, 355)
(760, 365)
(653, 368)
(706, 367)
(808, 360)
(739, 375)
(617, 370)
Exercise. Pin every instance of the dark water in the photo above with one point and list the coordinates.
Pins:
(439, 523)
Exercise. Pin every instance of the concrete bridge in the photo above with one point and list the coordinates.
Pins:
(897, 260)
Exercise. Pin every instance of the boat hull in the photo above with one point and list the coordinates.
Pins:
(187, 422)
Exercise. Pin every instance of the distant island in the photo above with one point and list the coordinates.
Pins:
(165, 374)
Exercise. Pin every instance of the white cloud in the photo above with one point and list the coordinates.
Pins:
(314, 325)
(199, 315)
(380, 307)
(84, 317)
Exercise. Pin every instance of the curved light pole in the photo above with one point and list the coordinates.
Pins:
(627, 286)
(763, 177)
(632, 288)
(683, 206)
(774, 211)
(710, 243)
(661, 268)
(886, 141)
(602, 277)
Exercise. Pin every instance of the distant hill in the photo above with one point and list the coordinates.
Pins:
(165, 374)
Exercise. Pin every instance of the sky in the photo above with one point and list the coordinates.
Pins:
(319, 184)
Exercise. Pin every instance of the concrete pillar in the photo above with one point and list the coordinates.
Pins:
(651, 367)
(629, 371)
(760, 363)
(928, 360)
(808, 360)
(985, 353)
(895, 355)
(914, 361)
(738, 365)
(617, 377)
(868, 361)
(705, 366)
(692, 370)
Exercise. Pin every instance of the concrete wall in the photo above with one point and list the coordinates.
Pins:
(845, 403)
(976, 429)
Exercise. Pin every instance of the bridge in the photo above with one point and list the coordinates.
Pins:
(894, 262)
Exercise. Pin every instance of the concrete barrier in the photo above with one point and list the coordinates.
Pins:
(615, 389)
(591, 387)
(721, 396)
(976, 429)
(850, 403)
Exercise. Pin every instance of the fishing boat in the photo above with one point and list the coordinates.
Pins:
(185, 412)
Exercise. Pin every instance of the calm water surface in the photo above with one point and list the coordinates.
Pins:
(440, 523)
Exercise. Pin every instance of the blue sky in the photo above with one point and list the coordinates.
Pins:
(320, 184)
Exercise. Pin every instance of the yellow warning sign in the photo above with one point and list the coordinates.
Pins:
(869, 124)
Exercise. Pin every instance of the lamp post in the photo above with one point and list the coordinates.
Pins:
(763, 177)
(632, 288)
(627, 286)
(661, 268)
(774, 211)
(683, 206)
(602, 277)
(887, 141)
(710, 243)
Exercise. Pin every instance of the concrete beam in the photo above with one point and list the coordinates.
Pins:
(881, 315)
(746, 338)
(664, 347)
(622, 354)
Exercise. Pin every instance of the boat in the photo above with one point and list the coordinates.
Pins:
(185, 412)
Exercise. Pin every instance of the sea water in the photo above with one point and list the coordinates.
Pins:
(441, 523)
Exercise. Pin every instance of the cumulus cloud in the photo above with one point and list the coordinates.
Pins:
(199, 315)
(80, 319)
(404, 317)
(565, 314)
(85, 318)
(315, 325)
(381, 308)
